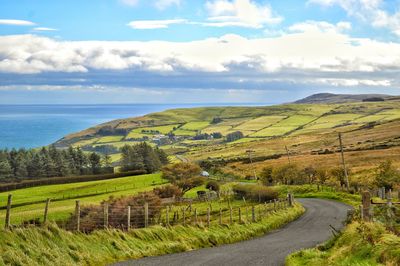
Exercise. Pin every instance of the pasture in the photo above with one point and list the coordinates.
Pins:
(31, 200)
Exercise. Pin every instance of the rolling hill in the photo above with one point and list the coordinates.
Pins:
(306, 129)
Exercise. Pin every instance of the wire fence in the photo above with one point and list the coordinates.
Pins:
(87, 218)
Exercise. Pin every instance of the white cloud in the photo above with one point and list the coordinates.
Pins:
(312, 53)
(368, 11)
(154, 24)
(163, 4)
(129, 2)
(44, 29)
(242, 13)
(16, 22)
(320, 26)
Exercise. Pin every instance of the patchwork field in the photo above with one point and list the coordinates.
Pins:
(303, 128)
(285, 126)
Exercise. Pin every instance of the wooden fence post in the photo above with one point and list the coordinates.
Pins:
(389, 198)
(240, 216)
(167, 217)
(46, 211)
(220, 216)
(230, 215)
(208, 217)
(129, 218)
(78, 215)
(253, 214)
(8, 213)
(105, 215)
(146, 214)
(274, 204)
(291, 200)
(366, 205)
(195, 216)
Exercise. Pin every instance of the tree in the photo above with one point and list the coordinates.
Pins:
(288, 174)
(95, 162)
(213, 185)
(234, 136)
(266, 176)
(321, 175)
(386, 175)
(5, 167)
(107, 161)
(310, 173)
(339, 174)
(184, 175)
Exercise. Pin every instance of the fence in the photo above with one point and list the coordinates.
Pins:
(368, 205)
(89, 218)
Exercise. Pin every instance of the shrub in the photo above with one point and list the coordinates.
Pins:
(213, 185)
(92, 217)
(387, 175)
(190, 183)
(168, 191)
(255, 192)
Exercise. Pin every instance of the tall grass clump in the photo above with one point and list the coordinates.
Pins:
(359, 244)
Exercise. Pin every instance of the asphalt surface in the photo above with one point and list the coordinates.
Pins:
(309, 230)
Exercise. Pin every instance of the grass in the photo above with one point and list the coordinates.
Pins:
(108, 139)
(53, 246)
(64, 196)
(195, 126)
(360, 244)
(260, 122)
(183, 132)
(311, 191)
(284, 126)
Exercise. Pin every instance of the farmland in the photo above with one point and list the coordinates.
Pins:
(31, 200)
(305, 129)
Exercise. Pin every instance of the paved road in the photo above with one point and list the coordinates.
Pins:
(308, 231)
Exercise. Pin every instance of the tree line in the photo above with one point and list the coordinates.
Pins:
(52, 162)
(49, 162)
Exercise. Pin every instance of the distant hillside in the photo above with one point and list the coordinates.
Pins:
(342, 98)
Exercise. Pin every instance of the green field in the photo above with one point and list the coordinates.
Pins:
(284, 126)
(182, 132)
(64, 195)
(195, 125)
(259, 123)
(108, 139)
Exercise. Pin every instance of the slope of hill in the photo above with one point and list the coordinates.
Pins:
(306, 129)
(342, 98)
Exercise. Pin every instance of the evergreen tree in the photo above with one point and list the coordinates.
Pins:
(5, 167)
(95, 162)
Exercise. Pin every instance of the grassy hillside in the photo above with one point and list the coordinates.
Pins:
(370, 132)
(31, 200)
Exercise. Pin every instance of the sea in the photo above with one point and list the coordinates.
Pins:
(31, 126)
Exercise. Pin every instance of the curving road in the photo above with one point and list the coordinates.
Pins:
(309, 230)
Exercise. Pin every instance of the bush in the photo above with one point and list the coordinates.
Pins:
(92, 217)
(168, 191)
(213, 185)
(255, 192)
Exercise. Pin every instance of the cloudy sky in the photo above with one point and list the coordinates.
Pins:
(193, 51)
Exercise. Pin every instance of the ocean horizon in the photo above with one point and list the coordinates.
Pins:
(31, 126)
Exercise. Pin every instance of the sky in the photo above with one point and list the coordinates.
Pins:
(187, 51)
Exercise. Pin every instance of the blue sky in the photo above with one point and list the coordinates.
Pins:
(171, 51)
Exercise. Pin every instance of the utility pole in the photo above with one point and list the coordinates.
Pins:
(249, 152)
(343, 162)
(288, 155)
